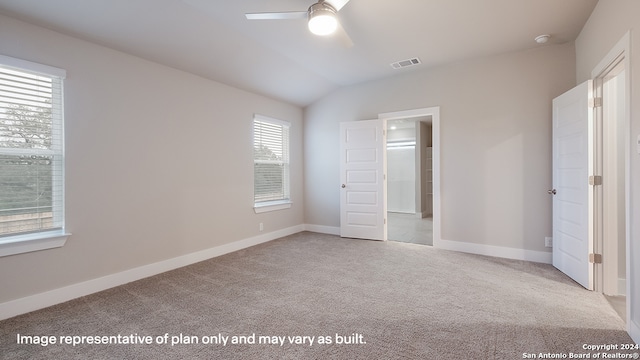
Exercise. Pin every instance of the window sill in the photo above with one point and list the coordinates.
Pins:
(20, 244)
(271, 206)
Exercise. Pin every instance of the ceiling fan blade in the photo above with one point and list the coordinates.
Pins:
(337, 4)
(344, 38)
(277, 15)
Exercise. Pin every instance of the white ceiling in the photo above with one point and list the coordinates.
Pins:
(281, 59)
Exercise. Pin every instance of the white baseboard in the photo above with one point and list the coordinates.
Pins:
(39, 301)
(331, 230)
(496, 251)
(479, 249)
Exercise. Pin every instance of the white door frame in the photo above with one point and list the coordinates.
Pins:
(610, 140)
(434, 113)
(622, 49)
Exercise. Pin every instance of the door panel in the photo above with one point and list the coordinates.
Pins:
(573, 201)
(363, 191)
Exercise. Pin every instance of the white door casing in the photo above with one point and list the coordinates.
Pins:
(573, 198)
(363, 198)
(620, 54)
(611, 117)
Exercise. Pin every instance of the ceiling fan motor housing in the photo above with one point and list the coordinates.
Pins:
(321, 6)
(322, 18)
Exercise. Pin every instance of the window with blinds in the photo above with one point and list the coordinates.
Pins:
(31, 147)
(270, 160)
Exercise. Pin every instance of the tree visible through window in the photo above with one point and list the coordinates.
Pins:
(31, 149)
(271, 160)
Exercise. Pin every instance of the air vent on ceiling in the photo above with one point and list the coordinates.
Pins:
(405, 63)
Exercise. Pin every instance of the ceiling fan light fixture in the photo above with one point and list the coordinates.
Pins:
(322, 19)
(542, 39)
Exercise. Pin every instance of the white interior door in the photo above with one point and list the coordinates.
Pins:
(573, 149)
(363, 198)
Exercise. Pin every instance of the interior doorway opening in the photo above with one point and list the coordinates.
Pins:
(610, 86)
(591, 138)
(410, 180)
(612, 114)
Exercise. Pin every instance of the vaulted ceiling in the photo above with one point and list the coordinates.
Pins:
(283, 60)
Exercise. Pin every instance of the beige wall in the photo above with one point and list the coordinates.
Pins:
(159, 163)
(608, 23)
(495, 116)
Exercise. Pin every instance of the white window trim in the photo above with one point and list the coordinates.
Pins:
(32, 66)
(41, 240)
(271, 206)
(23, 243)
(275, 205)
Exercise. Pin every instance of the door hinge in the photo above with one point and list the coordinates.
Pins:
(595, 258)
(595, 180)
(385, 221)
(595, 102)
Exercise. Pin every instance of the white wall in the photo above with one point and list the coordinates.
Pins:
(608, 23)
(401, 171)
(159, 163)
(495, 136)
(401, 180)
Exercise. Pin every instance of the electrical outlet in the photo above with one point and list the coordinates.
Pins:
(548, 241)
(261, 226)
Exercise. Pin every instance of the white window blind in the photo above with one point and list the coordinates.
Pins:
(271, 160)
(31, 147)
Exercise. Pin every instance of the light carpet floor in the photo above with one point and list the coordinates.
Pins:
(403, 301)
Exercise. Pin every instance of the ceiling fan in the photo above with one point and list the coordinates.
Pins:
(321, 17)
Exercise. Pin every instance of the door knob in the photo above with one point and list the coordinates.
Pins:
(344, 186)
(551, 192)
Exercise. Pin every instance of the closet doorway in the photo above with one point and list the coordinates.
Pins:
(410, 180)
